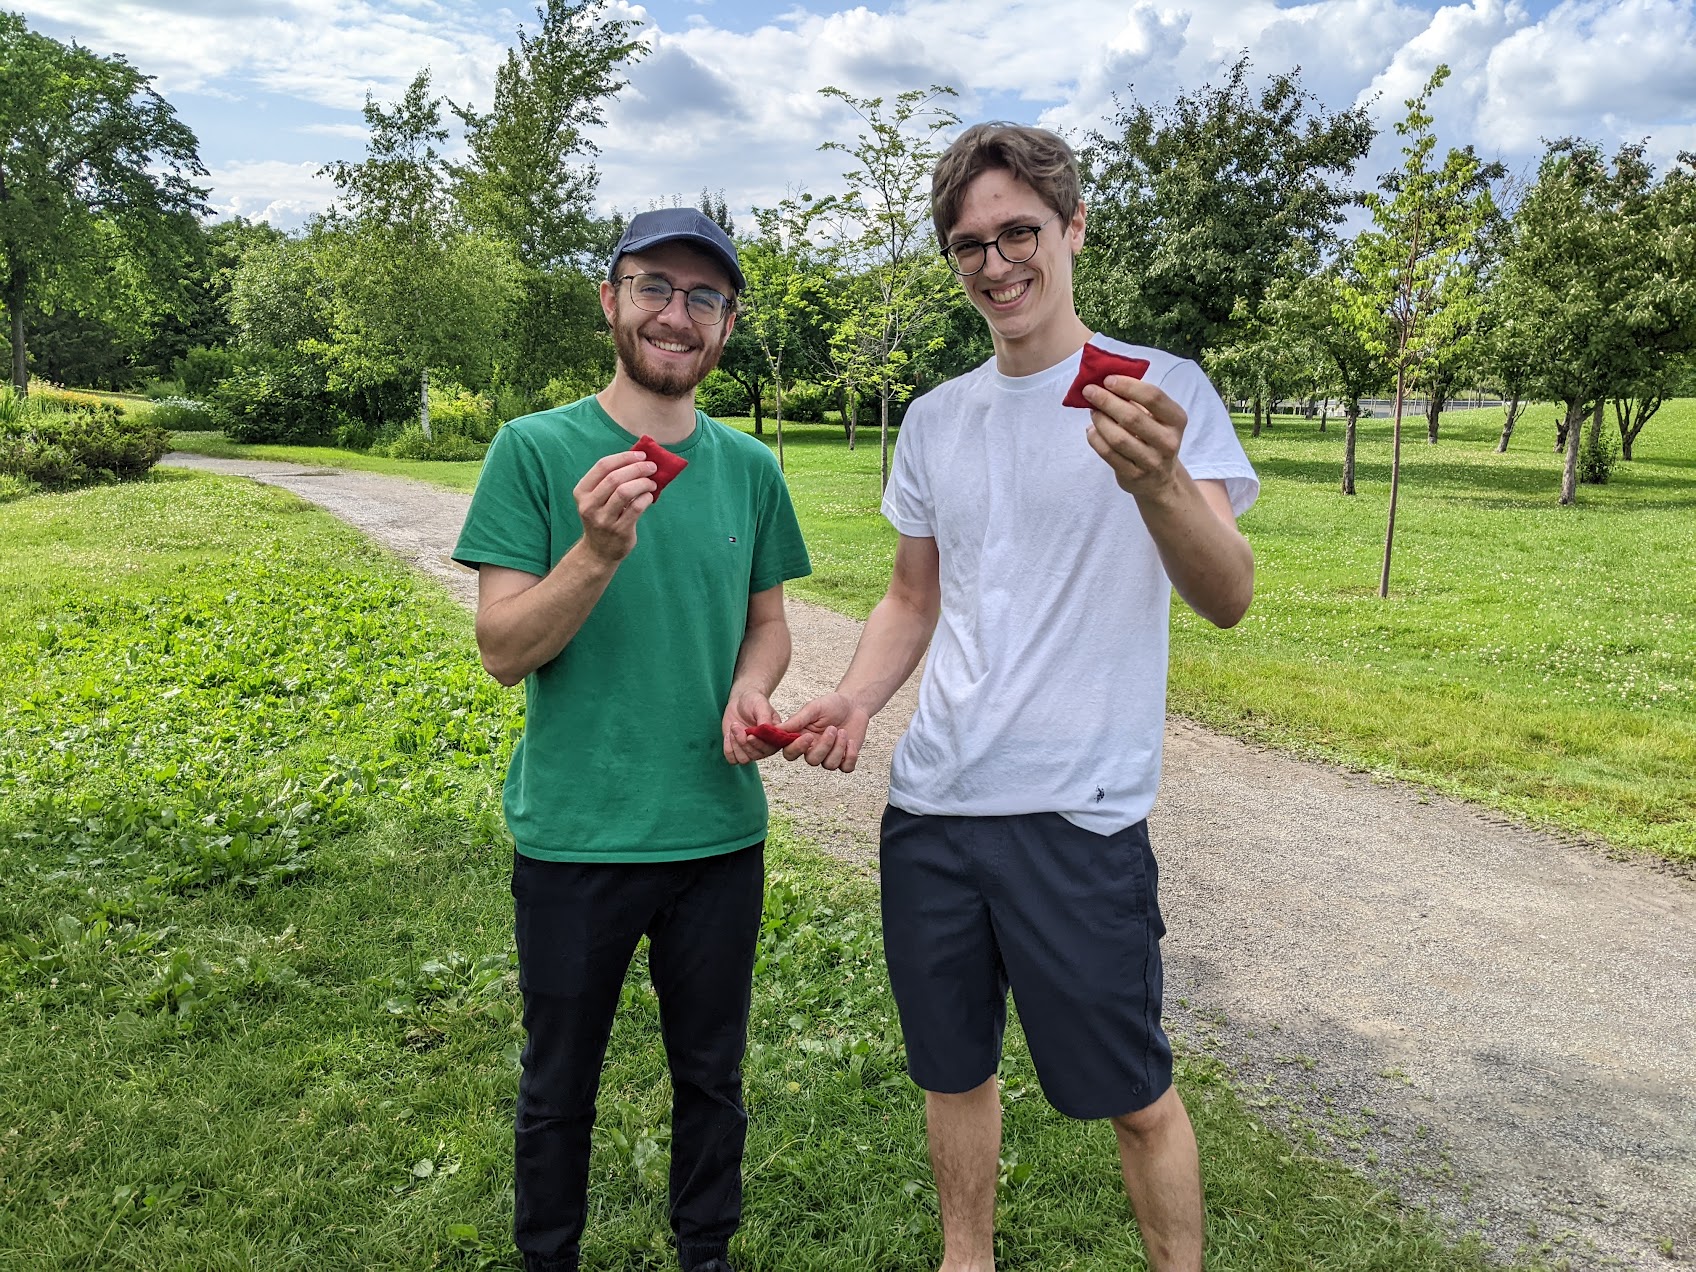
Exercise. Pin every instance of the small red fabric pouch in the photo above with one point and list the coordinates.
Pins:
(667, 464)
(771, 735)
(1097, 365)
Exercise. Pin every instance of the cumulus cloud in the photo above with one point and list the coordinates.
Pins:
(283, 194)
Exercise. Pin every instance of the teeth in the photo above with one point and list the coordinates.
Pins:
(669, 347)
(1006, 294)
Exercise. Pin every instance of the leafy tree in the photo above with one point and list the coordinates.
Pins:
(1195, 207)
(530, 182)
(412, 289)
(1315, 308)
(899, 287)
(1410, 290)
(93, 161)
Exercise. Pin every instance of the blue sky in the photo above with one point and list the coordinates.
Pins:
(727, 96)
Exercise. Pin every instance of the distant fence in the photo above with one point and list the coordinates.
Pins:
(1374, 407)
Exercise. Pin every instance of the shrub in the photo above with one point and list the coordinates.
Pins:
(458, 412)
(59, 449)
(804, 404)
(160, 390)
(47, 395)
(1597, 456)
(721, 397)
(567, 388)
(510, 403)
(202, 368)
(14, 487)
(286, 403)
(412, 444)
(182, 415)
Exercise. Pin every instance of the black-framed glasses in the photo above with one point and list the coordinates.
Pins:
(653, 293)
(1016, 243)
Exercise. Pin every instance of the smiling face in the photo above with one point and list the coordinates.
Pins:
(1028, 306)
(667, 353)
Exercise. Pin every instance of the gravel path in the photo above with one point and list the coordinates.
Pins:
(1497, 1023)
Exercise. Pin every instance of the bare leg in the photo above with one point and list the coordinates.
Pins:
(965, 1152)
(1162, 1170)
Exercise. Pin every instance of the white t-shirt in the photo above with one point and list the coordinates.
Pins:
(1045, 685)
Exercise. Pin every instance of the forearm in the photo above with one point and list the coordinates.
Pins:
(1209, 562)
(762, 659)
(523, 632)
(895, 638)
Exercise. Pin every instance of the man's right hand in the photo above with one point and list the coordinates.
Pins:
(611, 496)
(838, 728)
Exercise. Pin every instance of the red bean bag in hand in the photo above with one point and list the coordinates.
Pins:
(1097, 365)
(668, 465)
(771, 735)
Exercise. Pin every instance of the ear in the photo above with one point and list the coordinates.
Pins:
(609, 301)
(1075, 229)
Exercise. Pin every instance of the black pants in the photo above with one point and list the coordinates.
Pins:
(578, 924)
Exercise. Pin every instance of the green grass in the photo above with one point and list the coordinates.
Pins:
(454, 475)
(256, 999)
(1532, 658)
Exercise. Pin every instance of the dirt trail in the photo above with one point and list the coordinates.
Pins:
(1500, 1024)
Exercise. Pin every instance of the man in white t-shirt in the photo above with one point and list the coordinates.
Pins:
(1039, 543)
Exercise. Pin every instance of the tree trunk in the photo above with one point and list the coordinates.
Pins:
(1596, 432)
(883, 437)
(1433, 409)
(1573, 426)
(1256, 432)
(424, 402)
(759, 416)
(1350, 432)
(1324, 413)
(1395, 478)
(15, 292)
(1511, 419)
(780, 467)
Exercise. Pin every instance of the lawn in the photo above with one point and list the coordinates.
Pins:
(257, 1006)
(1532, 658)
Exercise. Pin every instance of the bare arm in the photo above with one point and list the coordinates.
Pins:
(895, 637)
(525, 620)
(1137, 429)
(760, 664)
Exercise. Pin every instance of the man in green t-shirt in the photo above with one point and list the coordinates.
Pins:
(649, 640)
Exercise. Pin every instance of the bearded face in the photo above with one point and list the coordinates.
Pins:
(667, 353)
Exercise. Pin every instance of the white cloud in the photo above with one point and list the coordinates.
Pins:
(284, 194)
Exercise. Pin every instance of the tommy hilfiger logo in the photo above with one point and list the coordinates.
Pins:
(733, 538)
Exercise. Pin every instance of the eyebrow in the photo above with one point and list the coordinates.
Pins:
(1000, 229)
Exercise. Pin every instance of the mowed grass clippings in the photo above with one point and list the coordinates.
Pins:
(256, 970)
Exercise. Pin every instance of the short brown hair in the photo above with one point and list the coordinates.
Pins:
(1039, 158)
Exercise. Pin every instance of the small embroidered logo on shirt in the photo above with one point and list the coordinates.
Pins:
(733, 538)
(1100, 794)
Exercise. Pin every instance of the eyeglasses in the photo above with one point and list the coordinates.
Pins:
(653, 293)
(1016, 243)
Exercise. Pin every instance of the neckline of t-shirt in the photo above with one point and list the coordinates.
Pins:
(1045, 379)
(625, 435)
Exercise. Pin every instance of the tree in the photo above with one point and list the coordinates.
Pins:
(530, 182)
(1410, 291)
(1316, 307)
(899, 285)
(1195, 207)
(776, 264)
(412, 288)
(92, 161)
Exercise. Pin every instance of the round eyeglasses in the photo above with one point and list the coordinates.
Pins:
(653, 293)
(1016, 243)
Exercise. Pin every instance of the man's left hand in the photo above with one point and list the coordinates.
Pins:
(1136, 428)
(747, 709)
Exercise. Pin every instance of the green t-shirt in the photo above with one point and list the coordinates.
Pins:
(622, 757)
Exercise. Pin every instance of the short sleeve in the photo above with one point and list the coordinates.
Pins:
(779, 551)
(508, 523)
(907, 503)
(1210, 449)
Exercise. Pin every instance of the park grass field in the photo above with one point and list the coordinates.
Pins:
(257, 1004)
(1532, 658)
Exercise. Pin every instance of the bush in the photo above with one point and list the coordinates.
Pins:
(59, 449)
(46, 395)
(203, 368)
(721, 397)
(13, 487)
(457, 412)
(805, 404)
(567, 388)
(160, 390)
(285, 403)
(1597, 455)
(412, 444)
(182, 415)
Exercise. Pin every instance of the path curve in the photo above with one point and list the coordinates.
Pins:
(1498, 1023)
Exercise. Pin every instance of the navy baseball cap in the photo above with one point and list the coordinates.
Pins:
(672, 225)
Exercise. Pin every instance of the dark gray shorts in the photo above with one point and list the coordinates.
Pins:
(1068, 918)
